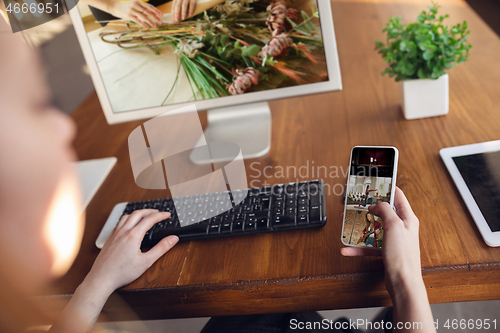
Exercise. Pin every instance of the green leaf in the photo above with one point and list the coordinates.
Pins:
(412, 49)
(314, 12)
(421, 73)
(227, 55)
(291, 22)
(208, 38)
(237, 53)
(263, 70)
(304, 30)
(251, 51)
(310, 26)
(428, 54)
(402, 46)
(304, 15)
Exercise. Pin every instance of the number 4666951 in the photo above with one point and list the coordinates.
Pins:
(470, 324)
(32, 8)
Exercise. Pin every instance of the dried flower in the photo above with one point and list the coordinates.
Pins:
(293, 15)
(276, 21)
(245, 80)
(277, 47)
(276, 18)
(189, 47)
(231, 6)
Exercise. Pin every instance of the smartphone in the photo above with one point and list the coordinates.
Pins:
(371, 180)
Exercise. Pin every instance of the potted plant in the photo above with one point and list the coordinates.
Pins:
(418, 55)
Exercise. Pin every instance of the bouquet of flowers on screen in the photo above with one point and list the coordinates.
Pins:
(236, 47)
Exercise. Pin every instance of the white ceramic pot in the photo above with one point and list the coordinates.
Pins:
(424, 97)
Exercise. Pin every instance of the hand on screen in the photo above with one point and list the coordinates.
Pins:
(121, 261)
(400, 248)
(182, 9)
(137, 11)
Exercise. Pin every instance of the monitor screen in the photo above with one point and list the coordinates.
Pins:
(228, 48)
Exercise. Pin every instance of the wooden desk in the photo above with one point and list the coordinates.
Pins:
(299, 271)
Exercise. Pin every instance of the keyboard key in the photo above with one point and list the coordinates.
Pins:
(238, 226)
(263, 213)
(250, 226)
(169, 223)
(228, 219)
(278, 197)
(315, 214)
(302, 209)
(291, 189)
(213, 229)
(225, 228)
(314, 198)
(262, 223)
(283, 222)
(277, 190)
(216, 219)
(302, 219)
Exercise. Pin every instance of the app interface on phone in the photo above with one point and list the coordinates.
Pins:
(369, 183)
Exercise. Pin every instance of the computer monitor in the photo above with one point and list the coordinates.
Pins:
(230, 58)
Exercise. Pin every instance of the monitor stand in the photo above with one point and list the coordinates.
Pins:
(247, 125)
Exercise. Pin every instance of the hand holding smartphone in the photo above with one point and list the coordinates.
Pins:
(371, 180)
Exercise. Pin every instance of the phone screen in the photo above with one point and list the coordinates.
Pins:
(371, 180)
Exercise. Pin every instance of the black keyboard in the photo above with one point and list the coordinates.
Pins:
(267, 209)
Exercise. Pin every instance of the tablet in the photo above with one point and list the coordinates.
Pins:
(476, 171)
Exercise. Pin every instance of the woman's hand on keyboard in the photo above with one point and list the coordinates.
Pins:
(121, 260)
(119, 263)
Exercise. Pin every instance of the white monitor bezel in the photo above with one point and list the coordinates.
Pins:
(490, 237)
(333, 68)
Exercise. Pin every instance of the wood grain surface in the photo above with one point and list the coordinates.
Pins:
(303, 270)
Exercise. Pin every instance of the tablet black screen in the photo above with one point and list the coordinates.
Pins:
(481, 173)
